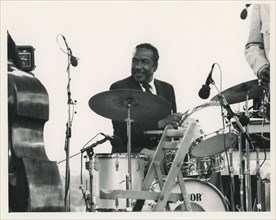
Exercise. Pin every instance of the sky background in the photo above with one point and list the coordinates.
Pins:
(190, 37)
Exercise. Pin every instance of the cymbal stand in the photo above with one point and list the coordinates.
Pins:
(231, 170)
(90, 153)
(258, 174)
(241, 172)
(231, 114)
(259, 181)
(248, 194)
(129, 175)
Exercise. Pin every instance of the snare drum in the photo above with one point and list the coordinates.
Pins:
(211, 136)
(193, 166)
(204, 197)
(110, 172)
(207, 165)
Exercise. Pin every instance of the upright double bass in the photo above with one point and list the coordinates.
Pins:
(34, 180)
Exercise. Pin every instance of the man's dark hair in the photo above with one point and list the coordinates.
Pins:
(152, 48)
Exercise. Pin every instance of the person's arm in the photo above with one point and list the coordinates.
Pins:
(255, 53)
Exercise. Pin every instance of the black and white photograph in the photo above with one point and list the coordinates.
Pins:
(137, 109)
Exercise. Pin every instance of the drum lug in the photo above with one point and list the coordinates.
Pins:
(139, 165)
(116, 164)
(96, 165)
(205, 180)
(226, 200)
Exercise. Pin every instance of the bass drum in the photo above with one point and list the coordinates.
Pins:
(110, 172)
(204, 197)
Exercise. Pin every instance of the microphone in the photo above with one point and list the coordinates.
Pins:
(244, 12)
(204, 92)
(73, 59)
(114, 140)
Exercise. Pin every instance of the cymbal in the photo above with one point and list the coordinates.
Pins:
(144, 106)
(238, 93)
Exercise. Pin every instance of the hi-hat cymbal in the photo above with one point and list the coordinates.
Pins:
(144, 106)
(238, 93)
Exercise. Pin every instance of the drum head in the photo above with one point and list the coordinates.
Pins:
(213, 145)
(211, 136)
(204, 196)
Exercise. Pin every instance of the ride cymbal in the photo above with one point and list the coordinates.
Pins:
(239, 92)
(113, 104)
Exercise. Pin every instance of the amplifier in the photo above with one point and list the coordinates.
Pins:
(26, 54)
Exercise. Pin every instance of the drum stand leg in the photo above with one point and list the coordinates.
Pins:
(232, 185)
(129, 175)
(259, 182)
(248, 140)
(172, 139)
(241, 171)
(248, 194)
(90, 154)
(260, 206)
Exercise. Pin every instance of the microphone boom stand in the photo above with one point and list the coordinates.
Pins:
(90, 153)
(247, 170)
(225, 104)
(67, 140)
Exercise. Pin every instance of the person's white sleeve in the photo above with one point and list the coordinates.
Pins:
(254, 50)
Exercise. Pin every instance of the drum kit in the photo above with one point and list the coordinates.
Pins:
(127, 170)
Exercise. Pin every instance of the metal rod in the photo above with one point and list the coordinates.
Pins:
(241, 173)
(91, 202)
(259, 181)
(129, 176)
(248, 194)
(67, 144)
(258, 175)
(232, 185)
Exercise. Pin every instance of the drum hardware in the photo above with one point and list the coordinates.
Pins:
(239, 93)
(259, 181)
(127, 106)
(129, 175)
(263, 113)
(264, 109)
(248, 194)
(231, 171)
(110, 171)
(154, 171)
(200, 192)
(236, 94)
(208, 145)
(182, 145)
(88, 195)
(241, 173)
(197, 166)
(113, 104)
(67, 142)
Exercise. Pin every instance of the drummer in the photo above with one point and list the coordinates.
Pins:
(144, 64)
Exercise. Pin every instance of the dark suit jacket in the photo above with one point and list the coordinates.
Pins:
(139, 140)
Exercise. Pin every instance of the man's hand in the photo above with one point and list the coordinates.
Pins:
(170, 120)
(264, 77)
